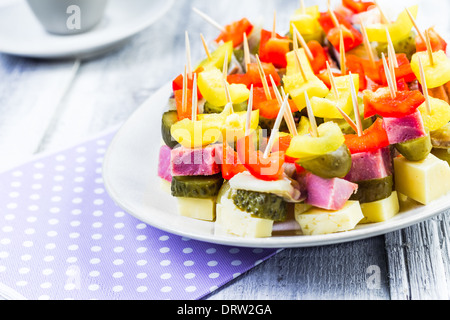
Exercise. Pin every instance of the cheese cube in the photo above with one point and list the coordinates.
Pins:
(319, 221)
(382, 210)
(423, 181)
(199, 209)
(233, 221)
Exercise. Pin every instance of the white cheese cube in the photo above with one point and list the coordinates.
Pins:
(423, 181)
(318, 221)
(233, 221)
(199, 209)
(382, 210)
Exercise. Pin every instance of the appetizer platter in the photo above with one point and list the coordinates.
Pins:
(335, 131)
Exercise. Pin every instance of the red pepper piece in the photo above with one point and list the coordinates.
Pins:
(437, 43)
(235, 32)
(404, 70)
(319, 53)
(267, 169)
(282, 144)
(268, 109)
(274, 50)
(177, 83)
(355, 66)
(372, 139)
(231, 165)
(187, 114)
(269, 70)
(357, 6)
(239, 78)
(382, 104)
(352, 37)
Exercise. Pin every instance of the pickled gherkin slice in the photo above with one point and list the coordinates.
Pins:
(441, 138)
(261, 205)
(442, 154)
(168, 119)
(415, 150)
(336, 164)
(201, 187)
(373, 190)
(208, 108)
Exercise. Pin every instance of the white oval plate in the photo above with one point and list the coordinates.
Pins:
(130, 176)
(123, 19)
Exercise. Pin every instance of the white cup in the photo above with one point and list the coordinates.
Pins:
(66, 17)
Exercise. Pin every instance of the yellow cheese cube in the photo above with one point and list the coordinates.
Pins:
(423, 181)
(380, 211)
(318, 221)
(199, 209)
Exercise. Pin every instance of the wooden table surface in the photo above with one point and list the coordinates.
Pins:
(47, 105)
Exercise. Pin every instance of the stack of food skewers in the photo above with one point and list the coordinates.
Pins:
(331, 125)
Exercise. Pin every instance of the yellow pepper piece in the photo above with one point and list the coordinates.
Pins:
(303, 126)
(306, 22)
(435, 75)
(203, 132)
(218, 57)
(196, 134)
(292, 68)
(211, 86)
(296, 87)
(308, 147)
(439, 116)
(326, 107)
(398, 30)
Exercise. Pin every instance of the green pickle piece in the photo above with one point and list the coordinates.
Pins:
(169, 118)
(373, 190)
(200, 187)
(336, 164)
(261, 205)
(415, 150)
(406, 46)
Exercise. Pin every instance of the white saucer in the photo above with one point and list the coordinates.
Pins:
(24, 36)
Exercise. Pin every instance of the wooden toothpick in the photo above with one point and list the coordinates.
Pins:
(297, 58)
(312, 118)
(276, 128)
(303, 43)
(247, 59)
(302, 6)
(225, 66)
(209, 19)
(194, 99)
(205, 46)
(274, 26)
(188, 55)
(393, 63)
(388, 77)
(184, 98)
(249, 113)
(342, 53)
(332, 81)
(333, 15)
(227, 91)
(262, 75)
(391, 48)
(419, 32)
(367, 44)
(429, 48)
(288, 117)
(356, 107)
(384, 18)
(424, 86)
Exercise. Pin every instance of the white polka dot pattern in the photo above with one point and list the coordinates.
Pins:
(62, 237)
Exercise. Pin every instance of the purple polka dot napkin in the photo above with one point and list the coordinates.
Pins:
(62, 237)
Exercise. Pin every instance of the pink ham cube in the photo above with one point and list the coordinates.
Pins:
(164, 171)
(370, 165)
(195, 162)
(328, 194)
(405, 129)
